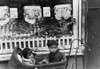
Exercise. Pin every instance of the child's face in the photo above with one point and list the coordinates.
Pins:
(53, 48)
(30, 55)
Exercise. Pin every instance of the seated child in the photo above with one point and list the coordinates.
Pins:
(28, 57)
(54, 55)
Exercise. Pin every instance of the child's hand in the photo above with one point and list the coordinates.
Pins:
(33, 61)
(45, 61)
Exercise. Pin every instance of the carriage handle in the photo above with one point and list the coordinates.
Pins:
(82, 44)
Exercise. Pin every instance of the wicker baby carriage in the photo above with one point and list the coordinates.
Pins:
(14, 63)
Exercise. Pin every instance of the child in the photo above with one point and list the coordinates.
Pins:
(28, 57)
(54, 55)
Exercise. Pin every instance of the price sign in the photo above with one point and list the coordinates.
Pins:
(13, 13)
(46, 12)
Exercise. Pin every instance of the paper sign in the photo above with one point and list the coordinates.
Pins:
(63, 10)
(13, 13)
(4, 15)
(31, 13)
(46, 12)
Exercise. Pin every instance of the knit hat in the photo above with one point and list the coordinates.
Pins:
(26, 51)
(52, 42)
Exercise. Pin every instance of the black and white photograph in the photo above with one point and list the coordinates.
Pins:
(49, 34)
